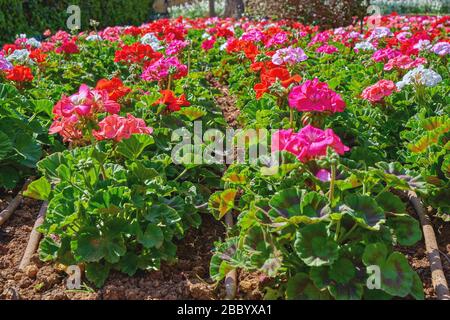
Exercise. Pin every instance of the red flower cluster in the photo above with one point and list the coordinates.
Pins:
(172, 102)
(68, 47)
(136, 53)
(19, 74)
(270, 76)
(115, 88)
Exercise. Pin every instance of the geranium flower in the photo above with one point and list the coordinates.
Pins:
(164, 67)
(175, 47)
(137, 53)
(19, 74)
(118, 128)
(379, 90)
(289, 56)
(441, 48)
(67, 128)
(5, 64)
(315, 96)
(208, 44)
(327, 49)
(385, 54)
(422, 76)
(270, 77)
(403, 62)
(308, 144)
(68, 47)
(115, 88)
(172, 102)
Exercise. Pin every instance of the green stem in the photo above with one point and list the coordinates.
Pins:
(338, 230)
(181, 174)
(291, 118)
(346, 235)
(332, 183)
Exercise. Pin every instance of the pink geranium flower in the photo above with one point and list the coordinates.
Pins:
(117, 128)
(327, 49)
(379, 90)
(315, 96)
(162, 68)
(403, 62)
(308, 144)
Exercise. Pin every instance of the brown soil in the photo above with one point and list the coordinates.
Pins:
(187, 279)
(226, 102)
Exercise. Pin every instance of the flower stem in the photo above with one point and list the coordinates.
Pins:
(291, 118)
(332, 183)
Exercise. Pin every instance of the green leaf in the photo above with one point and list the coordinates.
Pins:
(286, 202)
(131, 148)
(6, 145)
(390, 202)
(375, 254)
(220, 203)
(45, 106)
(342, 271)
(365, 210)
(315, 246)
(97, 273)
(417, 288)
(38, 189)
(396, 275)
(88, 247)
(192, 113)
(347, 291)
(29, 149)
(300, 287)
(406, 229)
(153, 237)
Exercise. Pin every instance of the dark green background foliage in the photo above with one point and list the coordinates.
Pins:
(34, 16)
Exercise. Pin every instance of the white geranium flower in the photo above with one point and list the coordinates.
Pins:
(94, 37)
(151, 40)
(20, 56)
(34, 43)
(420, 75)
(365, 45)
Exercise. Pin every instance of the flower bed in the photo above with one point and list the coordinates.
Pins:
(351, 119)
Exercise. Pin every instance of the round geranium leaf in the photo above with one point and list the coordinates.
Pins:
(286, 202)
(417, 288)
(365, 210)
(320, 277)
(391, 203)
(375, 254)
(342, 271)
(406, 229)
(347, 291)
(315, 246)
(300, 287)
(397, 276)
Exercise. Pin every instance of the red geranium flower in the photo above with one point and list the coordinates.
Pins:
(114, 87)
(20, 74)
(172, 102)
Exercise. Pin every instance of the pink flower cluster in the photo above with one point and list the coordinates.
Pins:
(85, 103)
(117, 128)
(379, 90)
(307, 144)
(289, 55)
(315, 96)
(403, 62)
(162, 68)
(327, 49)
(385, 54)
(175, 47)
